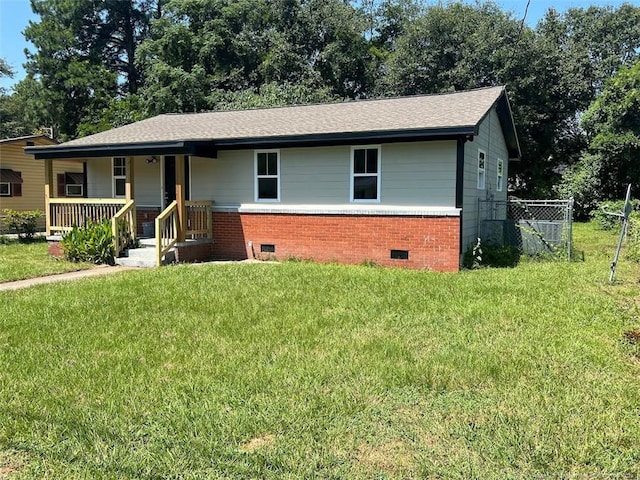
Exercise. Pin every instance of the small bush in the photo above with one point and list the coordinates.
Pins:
(91, 243)
(633, 237)
(491, 256)
(609, 222)
(24, 223)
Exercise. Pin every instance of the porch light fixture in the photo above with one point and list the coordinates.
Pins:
(151, 160)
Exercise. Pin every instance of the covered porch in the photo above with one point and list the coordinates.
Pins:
(181, 223)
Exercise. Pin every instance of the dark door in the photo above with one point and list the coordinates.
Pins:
(169, 180)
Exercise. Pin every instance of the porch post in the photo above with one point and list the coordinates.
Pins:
(48, 191)
(129, 185)
(180, 198)
(128, 193)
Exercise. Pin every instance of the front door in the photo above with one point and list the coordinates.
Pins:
(170, 179)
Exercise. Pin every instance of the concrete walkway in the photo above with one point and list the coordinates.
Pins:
(63, 277)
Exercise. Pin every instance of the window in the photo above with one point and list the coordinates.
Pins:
(482, 157)
(74, 190)
(70, 184)
(500, 176)
(10, 183)
(365, 174)
(119, 176)
(267, 184)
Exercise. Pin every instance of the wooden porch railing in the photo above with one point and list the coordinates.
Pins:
(166, 231)
(123, 227)
(199, 224)
(65, 213)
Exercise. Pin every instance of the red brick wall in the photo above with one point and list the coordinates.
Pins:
(145, 215)
(433, 242)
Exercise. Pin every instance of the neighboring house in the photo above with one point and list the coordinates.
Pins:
(393, 181)
(22, 177)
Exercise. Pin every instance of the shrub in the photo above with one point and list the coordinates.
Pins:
(582, 182)
(491, 256)
(633, 237)
(24, 223)
(91, 243)
(609, 222)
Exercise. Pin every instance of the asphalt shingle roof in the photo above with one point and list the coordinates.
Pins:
(424, 112)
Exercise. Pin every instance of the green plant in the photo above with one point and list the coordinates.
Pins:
(91, 243)
(24, 223)
(633, 237)
(491, 256)
(609, 222)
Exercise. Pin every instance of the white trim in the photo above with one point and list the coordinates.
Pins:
(341, 209)
(8, 194)
(162, 202)
(352, 174)
(117, 177)
(499, 174)
(256, 177)
(482, 170)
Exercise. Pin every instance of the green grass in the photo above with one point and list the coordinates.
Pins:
(301, 370)
(27, 260)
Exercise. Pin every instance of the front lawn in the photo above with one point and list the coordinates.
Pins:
(27, 260)
(301, 370)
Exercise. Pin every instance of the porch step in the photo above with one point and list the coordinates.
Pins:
(145, 256)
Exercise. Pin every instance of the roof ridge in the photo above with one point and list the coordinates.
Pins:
(334, 103)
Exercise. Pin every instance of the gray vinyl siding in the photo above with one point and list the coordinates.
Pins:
(99, 178)
(491, 140)
(147, 191)
(146, 180)
(227, 180)
(419, 174)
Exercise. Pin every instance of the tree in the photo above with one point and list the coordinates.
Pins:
(612, 123)
(201, 51)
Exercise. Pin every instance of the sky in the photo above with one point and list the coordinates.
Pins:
(15, 16)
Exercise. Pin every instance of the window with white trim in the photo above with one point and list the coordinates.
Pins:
(482, 163)
(499, 175)
(365, 174)
(74, 190)
(267, 184)
(5, 189)
(119, 177)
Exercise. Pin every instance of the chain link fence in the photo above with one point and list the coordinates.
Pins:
(533, 226)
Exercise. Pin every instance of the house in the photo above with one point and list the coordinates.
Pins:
(22, 177)
(392, 181)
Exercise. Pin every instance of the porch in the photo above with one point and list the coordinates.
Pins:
(182, 224)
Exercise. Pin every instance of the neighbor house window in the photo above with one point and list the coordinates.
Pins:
(119, 176)
(267, 184)
(482, 161)
(10, 183)
(74, 190)
(70, 184)
(365, 174)
(500, 175)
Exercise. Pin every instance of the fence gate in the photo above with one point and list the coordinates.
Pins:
(534, 226)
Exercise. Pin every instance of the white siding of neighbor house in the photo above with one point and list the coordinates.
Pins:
(412, 174)
(491, 140)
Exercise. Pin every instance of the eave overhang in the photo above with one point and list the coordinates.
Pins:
(210, 148)
(197, 148)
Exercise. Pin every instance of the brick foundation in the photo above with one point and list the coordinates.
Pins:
(432, 242)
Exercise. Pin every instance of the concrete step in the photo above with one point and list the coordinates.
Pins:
(145, 256)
